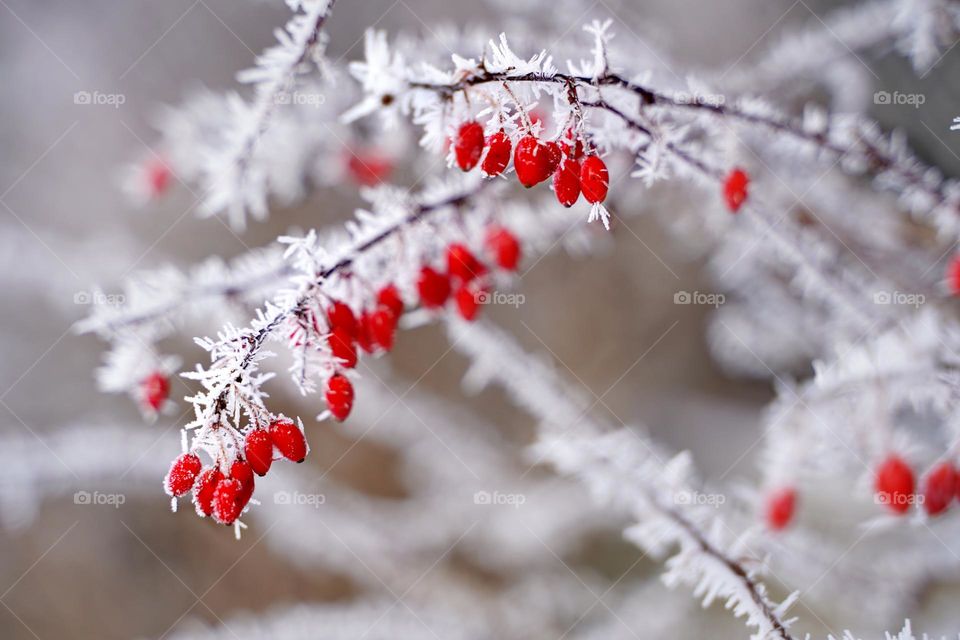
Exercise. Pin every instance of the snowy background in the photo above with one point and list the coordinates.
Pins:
(96, 571)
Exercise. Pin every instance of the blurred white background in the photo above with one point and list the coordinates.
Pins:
(80, 572)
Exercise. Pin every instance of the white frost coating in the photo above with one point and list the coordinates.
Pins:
(624, 467)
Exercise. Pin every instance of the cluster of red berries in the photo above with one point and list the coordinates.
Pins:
(466, 276)
(895, 486)
(375, 329)
(223, 493)
(574, 171)
(735, 189)
(154, 390)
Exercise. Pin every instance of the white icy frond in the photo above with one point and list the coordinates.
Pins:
(927, 29)
(233, 180)
(623, 467)
(153, 304)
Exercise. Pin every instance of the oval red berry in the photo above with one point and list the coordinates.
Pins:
(534, 161)
(940, 486)
(894, 484)
(183, 473)
(468, 145)
(467, 299)
(434, 288)
(498, 154)
(341, 344)
(226, 501)
(779, 508)
(383, 327)
(594, 179)
(203, 490)
(462, 265)
(735, 189)
(368, 168)
(258, 450)
(389, 296)
(504, 247)
(339, 396)
(155, 389)
(289, 440)
(364, 333)
(242, 472)
(566, 182)
(341, 316)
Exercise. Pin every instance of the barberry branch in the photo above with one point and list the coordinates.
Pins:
(628, 468)
(855, 142)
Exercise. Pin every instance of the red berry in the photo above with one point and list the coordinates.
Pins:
(383, 327)
(939, 488)
(341, 344)
(226, 501)
(183, 473)
(340, 315)
(242, 472)
(158, 176)
(735, 189)
(155, 389)
(594, 179)
(534, 161)
(204, 489)
(498, 154)
(894, 484)
(953, 275)
(468, 145)
(339, 396)
(566, 182)
(289, 440)
(467, 303)
(462, 264)
(365, 334)
(258, 450)
(434, 288)
(368, 168)
(389, 297)
(780, 506)
(504, 248)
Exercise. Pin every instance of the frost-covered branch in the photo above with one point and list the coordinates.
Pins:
(622, 466)
(857, 144)
(233, 180)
